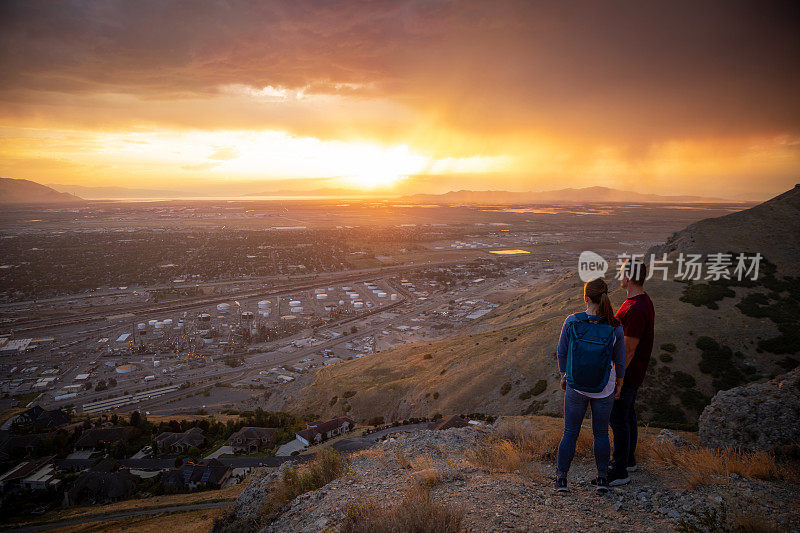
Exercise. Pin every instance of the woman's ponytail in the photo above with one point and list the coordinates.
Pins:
(597, 292)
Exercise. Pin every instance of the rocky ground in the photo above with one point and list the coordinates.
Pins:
(658, 499)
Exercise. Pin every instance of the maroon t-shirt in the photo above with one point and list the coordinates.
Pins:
(636, 314)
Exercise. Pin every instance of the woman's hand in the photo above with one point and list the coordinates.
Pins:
(564, 382)
(618, 389)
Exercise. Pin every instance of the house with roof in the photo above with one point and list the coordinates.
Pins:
(95, 438)
(36, 474)
(322, 430)
(208, 473)
(107, 481)
(250, 439)
(39, 417)
(180, 442)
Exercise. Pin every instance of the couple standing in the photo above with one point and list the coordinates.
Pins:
(603, 357)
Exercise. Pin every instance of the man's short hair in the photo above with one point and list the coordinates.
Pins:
(635, 270)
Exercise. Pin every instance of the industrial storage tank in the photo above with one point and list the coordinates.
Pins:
(296, 309)
(294, 303)
(223, 308)
(353, 296)
(381, 294)
(358, 305)
(341, 302)
(319, 291)
(158, 325)
(264, 304)
(125, 369)
(393, 297)
(141, 326)
(204, 318)
(167, 321)
(322, 296)
(288, 318)
(152, 322)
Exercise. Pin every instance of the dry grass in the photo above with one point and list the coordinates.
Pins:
(401, 458)
(179, 522)
(703, 466)
(417, 512)
(425, 472)
(296, 480)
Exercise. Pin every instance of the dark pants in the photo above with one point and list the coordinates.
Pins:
(575, 405)
(623, 423)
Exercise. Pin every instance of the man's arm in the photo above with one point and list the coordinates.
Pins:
(630, 349)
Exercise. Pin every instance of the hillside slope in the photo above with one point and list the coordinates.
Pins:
(506, 364)
(20, 191)
(769, 228)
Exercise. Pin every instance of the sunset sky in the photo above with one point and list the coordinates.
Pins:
(403, 96)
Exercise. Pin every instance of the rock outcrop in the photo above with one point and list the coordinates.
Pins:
(758, 416)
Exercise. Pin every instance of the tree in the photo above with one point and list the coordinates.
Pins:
(136, 419)
(193, 452)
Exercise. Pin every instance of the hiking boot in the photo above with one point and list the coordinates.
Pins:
(561, 484)
(601, 484)
(615, 480)
(633, 468)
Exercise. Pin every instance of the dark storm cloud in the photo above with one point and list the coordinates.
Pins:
(578, 68)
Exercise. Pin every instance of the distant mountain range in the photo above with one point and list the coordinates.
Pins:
(561, 196)
(20, 191)
(98, 193)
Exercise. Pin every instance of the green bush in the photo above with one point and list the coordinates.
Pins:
(668, 347)
(665, 358)
(667, 414)
(683, 380)
(506, 388)
(694, 399)
(708, 295)
(333, 401)
(534, 407)
(537, 389)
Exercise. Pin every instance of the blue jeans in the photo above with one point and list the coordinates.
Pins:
(575, 405)
(626, 433)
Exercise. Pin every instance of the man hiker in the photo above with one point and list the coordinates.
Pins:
(636, 314)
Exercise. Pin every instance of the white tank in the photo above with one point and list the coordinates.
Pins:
(141, 326)
(288, 318)
(223, 307)
(158, 325)
(330, 289)
(347, 289)
(204, 317)
(381, 294)
(264, 304)
(341, 302)
(296, 309)
(152, 322)
(263, 312)
(294, 303)
(393, 297)
(358, 305)
(319, 291)
(322, 296)
(167, 321)
(353, 296)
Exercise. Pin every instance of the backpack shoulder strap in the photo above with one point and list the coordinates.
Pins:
(581, 317)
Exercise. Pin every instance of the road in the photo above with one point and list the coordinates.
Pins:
(47, 526)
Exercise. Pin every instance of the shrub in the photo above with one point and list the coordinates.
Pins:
(540, 387)
(668, 414)
(349, 394)
(534, 407)
(296, 480)
(683, 380)
(436, 395)
(694, 399)
(415, 512)
(665, 358)
(708, 295)
(668, 347)
(506, 388)
(375, 421)
(333, 401)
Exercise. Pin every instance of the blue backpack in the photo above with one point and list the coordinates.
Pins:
(591, 345)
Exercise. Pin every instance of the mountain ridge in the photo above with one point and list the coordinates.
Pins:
(23, 191)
